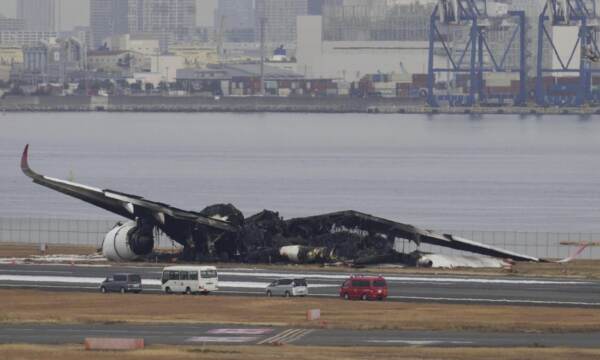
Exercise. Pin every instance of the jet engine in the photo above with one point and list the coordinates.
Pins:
(128, 241)
(304, 254)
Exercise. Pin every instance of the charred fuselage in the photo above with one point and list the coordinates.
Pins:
(221, 232)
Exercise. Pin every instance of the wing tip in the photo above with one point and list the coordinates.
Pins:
(25, 162)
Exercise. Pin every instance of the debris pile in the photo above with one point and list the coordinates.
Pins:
(348, 237)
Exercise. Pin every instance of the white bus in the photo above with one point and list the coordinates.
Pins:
(190, 279)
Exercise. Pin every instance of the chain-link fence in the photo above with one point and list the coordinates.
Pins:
(546, 245)
(92, 232)
(62, 231)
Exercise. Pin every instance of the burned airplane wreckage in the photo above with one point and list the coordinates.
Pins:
(222, 233)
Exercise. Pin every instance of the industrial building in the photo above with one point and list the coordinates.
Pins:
(119, 62)
(375, 20)
(142, 44)
(52, 61)
(9, 56)
(244, 80)
(351, 60)
(354, 39)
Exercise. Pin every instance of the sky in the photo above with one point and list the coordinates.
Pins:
(76, 12)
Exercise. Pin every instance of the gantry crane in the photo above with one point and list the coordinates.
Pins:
(475, 57)
(582, 53)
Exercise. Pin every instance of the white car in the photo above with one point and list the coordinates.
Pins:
(287, 288)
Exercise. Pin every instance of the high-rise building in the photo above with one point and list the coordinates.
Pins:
(375, 20)
(236, 19)
(107, 18)
(280, 19)
(39, 15)
(315, 7)
(11, 24)
(170, 21)
(24, 38)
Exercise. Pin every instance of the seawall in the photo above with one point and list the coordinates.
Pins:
(157, 103)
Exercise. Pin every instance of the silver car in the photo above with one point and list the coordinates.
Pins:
(287, 288)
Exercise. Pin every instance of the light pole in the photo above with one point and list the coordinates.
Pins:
(263, 21)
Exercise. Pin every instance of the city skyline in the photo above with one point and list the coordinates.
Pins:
(76, 12)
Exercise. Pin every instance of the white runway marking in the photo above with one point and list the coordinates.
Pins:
(258, 331)
(48, 286)
(419, 342)
(408, 279)
(217, 339)
(501, 301)
(36, 271)
(287, 336)
(446, 299)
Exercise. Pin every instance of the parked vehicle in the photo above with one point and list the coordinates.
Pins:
(364, 288)
(190, 279)
(122, 283)
(287, 288)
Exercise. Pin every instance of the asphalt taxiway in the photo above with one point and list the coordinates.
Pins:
(176, 334)
(252, 281)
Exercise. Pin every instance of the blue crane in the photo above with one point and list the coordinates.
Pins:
(475, 57)
(583, 52)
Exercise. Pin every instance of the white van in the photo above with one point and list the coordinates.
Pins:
(190, 279)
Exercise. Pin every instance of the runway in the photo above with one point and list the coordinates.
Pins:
(252, 282)
(176, 334)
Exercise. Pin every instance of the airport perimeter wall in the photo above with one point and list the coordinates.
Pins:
(92, 232)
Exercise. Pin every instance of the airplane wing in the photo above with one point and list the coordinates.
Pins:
(365, 224)
(126, 205)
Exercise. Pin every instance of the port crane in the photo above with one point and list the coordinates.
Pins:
(467, 62)
(575, 62)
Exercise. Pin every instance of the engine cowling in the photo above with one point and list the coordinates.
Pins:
(304, 254)
(128, 241)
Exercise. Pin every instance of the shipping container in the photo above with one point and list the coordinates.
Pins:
(419, 80)
(284, 92)
(568, 81)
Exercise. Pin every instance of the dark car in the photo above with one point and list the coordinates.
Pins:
(122, 283)
(364, 288)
